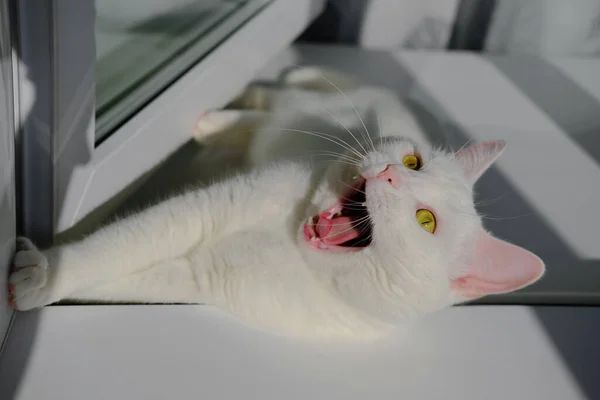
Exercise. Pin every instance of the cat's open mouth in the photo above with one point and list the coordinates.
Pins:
(344, 227)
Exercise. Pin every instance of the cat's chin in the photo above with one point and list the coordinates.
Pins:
(344, 227)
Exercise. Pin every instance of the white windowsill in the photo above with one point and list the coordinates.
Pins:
(182, 352)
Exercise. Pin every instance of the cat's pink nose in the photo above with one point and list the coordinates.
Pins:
(390, 175)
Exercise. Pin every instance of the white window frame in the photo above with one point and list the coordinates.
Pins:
(66, 177)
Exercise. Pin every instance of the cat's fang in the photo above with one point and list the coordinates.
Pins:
(335, 212)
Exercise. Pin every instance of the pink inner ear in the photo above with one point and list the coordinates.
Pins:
(478, 158)
(498, 267)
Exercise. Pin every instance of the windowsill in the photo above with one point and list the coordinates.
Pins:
(166, 352)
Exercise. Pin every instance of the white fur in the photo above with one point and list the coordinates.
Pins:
(238, 244)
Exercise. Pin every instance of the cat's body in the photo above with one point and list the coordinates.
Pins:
(293, 243)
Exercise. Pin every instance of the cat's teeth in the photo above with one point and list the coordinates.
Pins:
(334, 213)
(313, 239)
(311, 221)
(364, 204)
(355, 177)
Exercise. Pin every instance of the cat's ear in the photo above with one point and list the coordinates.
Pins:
(476, 159)
(497, 267)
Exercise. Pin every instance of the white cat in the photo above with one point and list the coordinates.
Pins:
(354, 247)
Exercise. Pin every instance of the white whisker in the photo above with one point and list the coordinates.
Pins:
(331, 138)
(339, 161)
(463, 147)
(493, 218)
(326, 136)
(489, 202)
(348, 160)
(353, 202)
(352, 187)
(347, 130)
(378, 129)
(349, 102)
(354, 226)
(338, 155)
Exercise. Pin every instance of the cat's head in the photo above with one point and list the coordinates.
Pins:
(402, 236)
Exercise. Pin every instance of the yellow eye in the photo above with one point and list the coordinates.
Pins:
(426, 219)
(412, 162)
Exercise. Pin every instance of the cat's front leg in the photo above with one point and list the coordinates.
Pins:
(187, 279)
(31, 284)
(261, 96)
(170, 281)
(164, 232)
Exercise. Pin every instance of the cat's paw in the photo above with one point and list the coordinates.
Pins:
(27, 284)
(219, 121)
(212, 122)
(317, 79)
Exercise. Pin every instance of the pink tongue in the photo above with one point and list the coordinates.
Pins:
(336, 231)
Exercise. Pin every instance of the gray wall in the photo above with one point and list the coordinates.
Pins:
(540, 27)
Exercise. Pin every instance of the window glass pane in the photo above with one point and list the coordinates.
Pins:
(143, 45)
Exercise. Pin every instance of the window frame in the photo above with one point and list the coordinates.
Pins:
(7, 168)
(65, 175)
(153, 82)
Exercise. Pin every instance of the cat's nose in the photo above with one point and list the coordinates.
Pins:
(390, 175)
